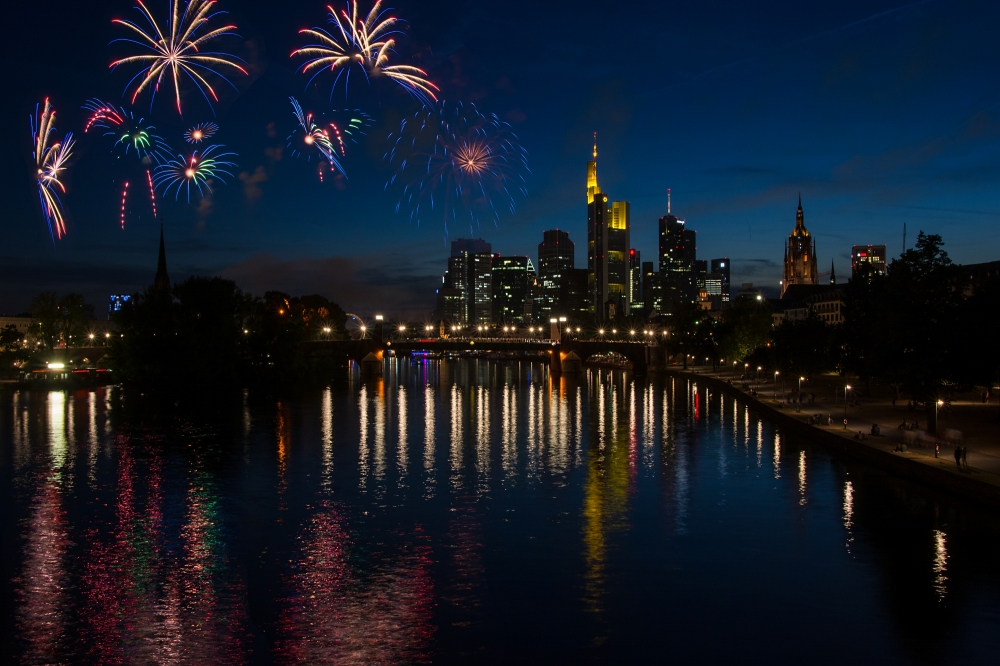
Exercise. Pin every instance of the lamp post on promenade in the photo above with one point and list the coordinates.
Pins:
(847, 387)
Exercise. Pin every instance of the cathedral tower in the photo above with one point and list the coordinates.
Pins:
(800, 254)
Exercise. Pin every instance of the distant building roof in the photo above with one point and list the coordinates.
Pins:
(798, 292)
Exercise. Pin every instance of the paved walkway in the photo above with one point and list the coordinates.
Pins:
(978, 423)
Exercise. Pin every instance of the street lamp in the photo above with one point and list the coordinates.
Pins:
(776, 373)
(846, 389)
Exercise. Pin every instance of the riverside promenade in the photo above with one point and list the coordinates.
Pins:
(978, 479)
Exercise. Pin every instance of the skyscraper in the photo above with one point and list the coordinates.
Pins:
(635, 281)
(720, 267)
(466, 293)
(874, 255)
(556, 256)
(513, 278)
(800, 254)
(677, 261)
(608, 242)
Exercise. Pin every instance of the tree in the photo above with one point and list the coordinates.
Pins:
(72, 318)
(744, 328)
(44, 313)
(805, 347)
(12, 351)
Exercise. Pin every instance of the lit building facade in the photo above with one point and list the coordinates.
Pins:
(466, 293)
(872, 255)
(513, 279)
(800, 255)
(556, 256)
(720, 267)
(678, 253)
(635, 281)
(608, 244)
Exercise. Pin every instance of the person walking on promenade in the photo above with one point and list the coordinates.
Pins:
(965, 462)
(958, 456)
(937, 449)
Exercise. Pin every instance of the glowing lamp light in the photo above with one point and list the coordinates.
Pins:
(56, 366)
(378, 317)
(364, 328)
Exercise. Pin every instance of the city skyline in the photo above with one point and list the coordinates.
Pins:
(735, 158)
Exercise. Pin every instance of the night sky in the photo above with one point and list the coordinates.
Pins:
(879, 112)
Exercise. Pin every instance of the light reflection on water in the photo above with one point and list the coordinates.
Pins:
(469, 511)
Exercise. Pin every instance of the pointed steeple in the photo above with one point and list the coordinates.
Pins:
(162, 280)
(800, 221)
(592, 186)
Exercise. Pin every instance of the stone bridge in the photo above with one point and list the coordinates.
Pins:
(641, 355)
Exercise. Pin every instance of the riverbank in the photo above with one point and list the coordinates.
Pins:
(978, 480)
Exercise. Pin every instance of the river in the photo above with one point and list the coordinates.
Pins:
(472, 512)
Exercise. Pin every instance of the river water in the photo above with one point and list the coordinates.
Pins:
(472, 512)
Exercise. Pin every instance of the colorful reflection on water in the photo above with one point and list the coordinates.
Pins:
(464, 511)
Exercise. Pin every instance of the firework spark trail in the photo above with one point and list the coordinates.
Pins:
(454, 161)
(179, 51)
(200, 132)
(50, 162)
(124, 198)
(313, 136)
(152, 192)
(198, 168)
(366, 43)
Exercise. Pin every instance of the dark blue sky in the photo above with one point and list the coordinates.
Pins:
(879, 112)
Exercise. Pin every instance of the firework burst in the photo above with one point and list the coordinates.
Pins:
(200, 132)
(365, 44)
(198, 169)
(50, 163)
(178, 52)
(308, 135)
(132, 133)
(454, 163)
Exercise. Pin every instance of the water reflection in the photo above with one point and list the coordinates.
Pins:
(586, 517)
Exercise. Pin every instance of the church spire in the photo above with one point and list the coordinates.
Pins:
(162, 280)
(592, 186)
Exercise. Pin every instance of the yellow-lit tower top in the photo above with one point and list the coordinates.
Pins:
(592, 186)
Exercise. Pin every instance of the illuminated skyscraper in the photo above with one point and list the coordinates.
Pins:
(635, 281)
(608, 242)
(513, 278)
(556, 256)
(466, 293)
(677, 261)
(874, 255)
(720, 268)
(800, 254)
